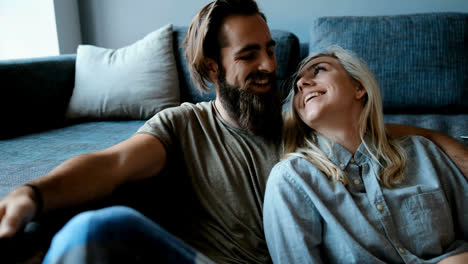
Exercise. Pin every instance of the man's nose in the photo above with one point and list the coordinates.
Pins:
(268, 63)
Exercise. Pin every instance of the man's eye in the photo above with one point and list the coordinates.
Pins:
(247, 57)
(270, 52)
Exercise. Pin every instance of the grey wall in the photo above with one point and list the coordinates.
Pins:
(116, 23)
(68, 25)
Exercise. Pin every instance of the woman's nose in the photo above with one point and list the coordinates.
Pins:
(303, 82)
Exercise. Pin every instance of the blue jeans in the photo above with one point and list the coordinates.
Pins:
(118, 235)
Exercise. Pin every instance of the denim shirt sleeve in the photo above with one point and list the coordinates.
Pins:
(292, 225)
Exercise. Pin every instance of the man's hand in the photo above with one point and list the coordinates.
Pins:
(16, 210)
(456, 259)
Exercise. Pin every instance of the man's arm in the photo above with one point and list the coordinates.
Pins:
(456, 259)
(83, 178)
(457, 152)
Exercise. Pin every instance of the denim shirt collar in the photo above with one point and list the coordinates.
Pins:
(340, 156)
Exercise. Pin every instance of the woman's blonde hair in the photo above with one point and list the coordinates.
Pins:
(300, 140)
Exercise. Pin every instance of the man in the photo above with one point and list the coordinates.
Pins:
(230, 146)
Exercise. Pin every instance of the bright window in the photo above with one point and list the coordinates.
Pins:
(27, 29)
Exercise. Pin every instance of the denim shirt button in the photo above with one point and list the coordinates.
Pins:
(342, 165)
(379, 207)
(357, 181)
(402, 250)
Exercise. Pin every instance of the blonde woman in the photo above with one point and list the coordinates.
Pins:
(345, 191)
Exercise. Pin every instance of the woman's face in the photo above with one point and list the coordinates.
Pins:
(326, 94)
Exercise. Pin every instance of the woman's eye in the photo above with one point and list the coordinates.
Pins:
(318, 69)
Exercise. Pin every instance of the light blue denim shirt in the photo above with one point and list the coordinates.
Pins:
(309, 218)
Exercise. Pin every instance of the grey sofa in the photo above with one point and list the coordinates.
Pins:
(421, 62)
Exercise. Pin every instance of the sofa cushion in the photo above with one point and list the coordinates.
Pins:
(134, 82)
(29, 157)
(287, 55)
(420, 60)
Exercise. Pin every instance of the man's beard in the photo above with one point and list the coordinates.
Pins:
(258, 113)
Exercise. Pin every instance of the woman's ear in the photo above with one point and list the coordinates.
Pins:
(360, 92)
(212, 69)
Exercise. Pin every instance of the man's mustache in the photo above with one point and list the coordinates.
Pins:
(258, 76)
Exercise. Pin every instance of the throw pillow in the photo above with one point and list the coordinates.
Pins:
(133, 82)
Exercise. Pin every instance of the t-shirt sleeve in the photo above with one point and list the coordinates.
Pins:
(293, 234)
(166, 125)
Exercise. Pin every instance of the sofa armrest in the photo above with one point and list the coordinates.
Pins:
(35, 93)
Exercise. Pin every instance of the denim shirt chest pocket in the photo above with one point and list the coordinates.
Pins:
(428, 223)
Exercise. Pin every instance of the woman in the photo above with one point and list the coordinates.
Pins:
(345, 191)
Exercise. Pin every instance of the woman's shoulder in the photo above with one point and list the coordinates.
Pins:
(419, 145)
(294, 166)
(300, 175)
(293, 161)
(423, 153)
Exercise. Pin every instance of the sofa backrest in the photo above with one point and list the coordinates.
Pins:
(287, 55)
(420, 60)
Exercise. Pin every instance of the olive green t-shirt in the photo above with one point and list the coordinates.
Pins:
(228, 168)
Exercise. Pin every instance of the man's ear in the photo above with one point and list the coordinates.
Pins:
(212, 69)
(360, 91)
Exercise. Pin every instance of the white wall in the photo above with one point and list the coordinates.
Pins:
(116, 23)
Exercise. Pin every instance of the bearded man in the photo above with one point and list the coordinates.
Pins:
(227, 148)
